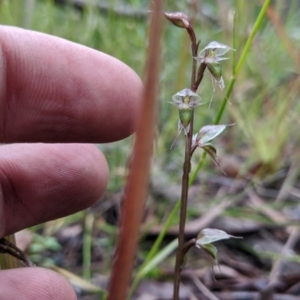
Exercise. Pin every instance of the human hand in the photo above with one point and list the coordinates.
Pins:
(55, 91)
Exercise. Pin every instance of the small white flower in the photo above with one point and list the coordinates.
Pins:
(212, 53)
(185, 99)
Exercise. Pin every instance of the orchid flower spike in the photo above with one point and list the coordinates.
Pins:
(185, 100)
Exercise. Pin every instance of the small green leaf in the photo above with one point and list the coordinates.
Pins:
(211, 151)
(215, 70)
(185, 116)
(211, 250)
(210, 235)
(209, 132)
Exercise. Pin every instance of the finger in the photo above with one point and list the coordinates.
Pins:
(34, 283)
(41, 182)
(53, 90)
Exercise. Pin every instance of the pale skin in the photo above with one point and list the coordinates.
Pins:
(54, 92)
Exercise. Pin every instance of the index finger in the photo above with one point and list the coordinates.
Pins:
(53, 90)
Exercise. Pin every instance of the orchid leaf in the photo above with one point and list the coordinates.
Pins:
(207, 236)
(211, 250)
(212, 152)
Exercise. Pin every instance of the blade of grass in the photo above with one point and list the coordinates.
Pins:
(87, 245)
(79, 283)
(137, 184)
(242, 59)
(151, 264)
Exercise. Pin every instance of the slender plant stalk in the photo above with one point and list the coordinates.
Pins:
(183, 208)
(137, 184)
(196, 79)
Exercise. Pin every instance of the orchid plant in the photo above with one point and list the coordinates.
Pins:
(186, 101)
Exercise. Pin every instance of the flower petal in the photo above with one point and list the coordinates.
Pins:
(179, 19)
(210, 235)
(218, 48)
(209, 132)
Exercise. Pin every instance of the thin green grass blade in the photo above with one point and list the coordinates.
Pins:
(242, 59)
(87, 245)
(151, 264)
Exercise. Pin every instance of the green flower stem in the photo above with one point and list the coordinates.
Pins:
(225, 100)
(234, 43)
